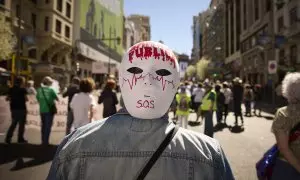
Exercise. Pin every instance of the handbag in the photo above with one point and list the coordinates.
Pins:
(143, 173)
(52, 108)
(264, 167)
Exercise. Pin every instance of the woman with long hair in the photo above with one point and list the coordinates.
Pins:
(109, 99)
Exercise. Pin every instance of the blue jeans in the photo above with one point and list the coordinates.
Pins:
(208, 124)
(47, 120)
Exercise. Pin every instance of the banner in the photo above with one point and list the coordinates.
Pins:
(33, 114)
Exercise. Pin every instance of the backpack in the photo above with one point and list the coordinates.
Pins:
(183, 104)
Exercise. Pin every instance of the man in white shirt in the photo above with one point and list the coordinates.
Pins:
(198, 94)
(228, 96)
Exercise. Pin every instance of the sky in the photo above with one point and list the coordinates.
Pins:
(170, 20)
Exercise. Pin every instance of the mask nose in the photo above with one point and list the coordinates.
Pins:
(148, 80)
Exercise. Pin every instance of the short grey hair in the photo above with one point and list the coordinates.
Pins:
(291, 87)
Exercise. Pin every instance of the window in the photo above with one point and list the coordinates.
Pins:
(256, 10)
(279, 4)
(18, 10)
(293, 51)
(131, 40)
(268, 5)
(59, 5)
(293, 16)
(2, 2)
(67, 31)
(280, 24)
(32, 53)
(46, 25)
(281, 56)
(33, 20)
(47, 1)
(245, 15)
(68, 11)
(58, 26)
(34, 1)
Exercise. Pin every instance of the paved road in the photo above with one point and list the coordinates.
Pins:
(243, 149)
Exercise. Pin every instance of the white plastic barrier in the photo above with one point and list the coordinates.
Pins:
(33, 114)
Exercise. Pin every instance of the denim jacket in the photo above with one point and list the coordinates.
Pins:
(117, 148)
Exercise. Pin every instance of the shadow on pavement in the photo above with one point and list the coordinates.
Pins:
(195, 123)
(268, 117)
(236, 129)
(37, 153)
(220, 127)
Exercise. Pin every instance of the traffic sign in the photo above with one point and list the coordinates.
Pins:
(272, 67)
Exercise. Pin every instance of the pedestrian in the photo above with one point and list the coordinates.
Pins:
(228, 96)
(220, 103)
(46, 98)
(83, 103)
(257, 100)
(183, 101)
(248, 98)
(17, 96)
(121, 146)
(109, 99)
(198, 96)
(287, 165)
(208, 107)
(238, 93)
(30, 88)
(71, 91)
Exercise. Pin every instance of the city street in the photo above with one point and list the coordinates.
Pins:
(243, 150)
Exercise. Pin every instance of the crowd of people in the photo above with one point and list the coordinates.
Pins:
(81, 104)
(207, 97)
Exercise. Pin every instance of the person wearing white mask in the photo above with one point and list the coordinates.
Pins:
(127, 145)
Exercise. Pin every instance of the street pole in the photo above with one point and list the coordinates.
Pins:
(18, 55)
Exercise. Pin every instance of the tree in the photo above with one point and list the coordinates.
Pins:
(7, 39)
(201, 68)
(190, 71)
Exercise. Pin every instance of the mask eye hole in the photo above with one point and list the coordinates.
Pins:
(163, 72)
(135, 70)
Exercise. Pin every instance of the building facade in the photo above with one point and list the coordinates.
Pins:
(183, 61)
(131, 35)
(215, 36)
(257, 47)
(142, 25)
(233, 62)
(98, 36)
(287, 31)
(197, 39)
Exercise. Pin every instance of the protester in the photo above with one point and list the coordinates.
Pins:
(287, 165)
(220, 103)
(228, 96)
(183, 101)
(120, 146)
(30, 88)
(109, 99)
(198, 96)
(71, 91)
(248, 98)
(208, 107)
(83, 103)
(46, 97)
(257, 100)
(17, 96)
(238, 93)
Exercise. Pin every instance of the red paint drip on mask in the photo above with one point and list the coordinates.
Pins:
(132, 82)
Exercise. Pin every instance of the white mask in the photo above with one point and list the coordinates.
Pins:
(149, 78)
